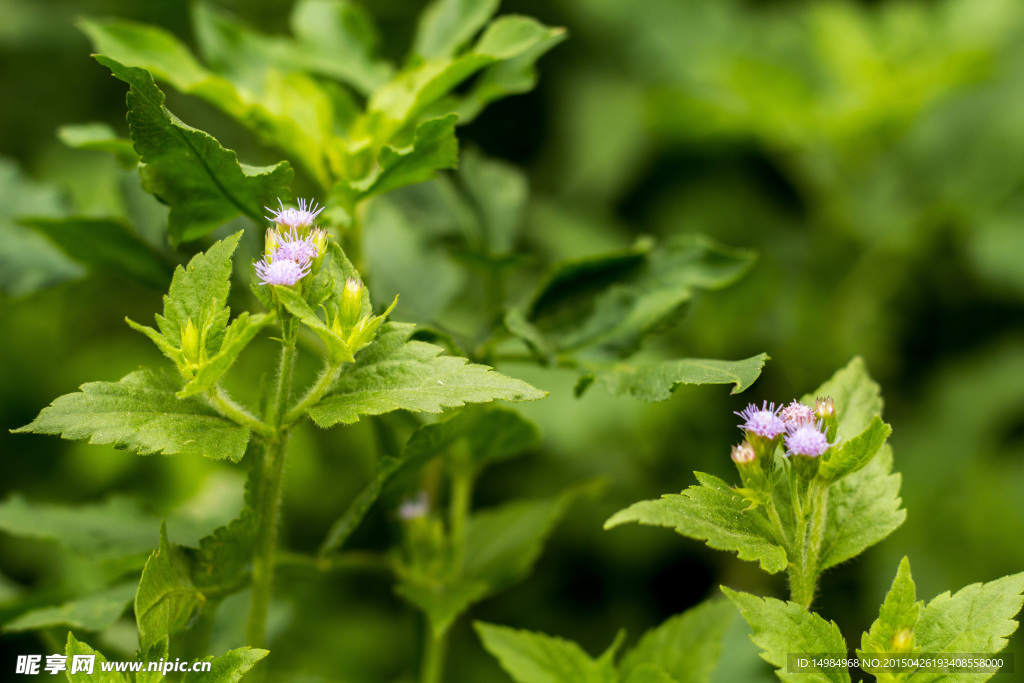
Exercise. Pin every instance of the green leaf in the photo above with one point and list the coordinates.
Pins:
(396, 374)
(98, 137)
(498, 192)
(783, 628)
(897, 617)
(203, 183)
(167, 598)
(714, 513)
(228, 667)
(863, 507)
(648, 673)
(337, 350)
(337, 38)
(446, 26)
(616, 299)
(537, 658)
(975, 619)
(343, 527)
(853, 454)
(502, 544)
(156, 652)
(141, 413)
(98, 675)
(236, 337)
(657, 381)
(28, 261)
(90, 613)
(221, 563)
(686, 647)
(105, 244)
(434, 147)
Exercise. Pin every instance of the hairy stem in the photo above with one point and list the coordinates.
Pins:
(223, 403)
(328, 376)
(803, 574)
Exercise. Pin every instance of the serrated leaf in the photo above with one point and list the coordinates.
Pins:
(898, 615)
(853, 454)
(105, 244)
(714, 513)
(857, 397)
(976, 619)
(337, 38)
(98, 675)
(89, 613)
(156, 652)
(615, 300)
(784, 628)
(396, 374)
(220, 565)
(236, 337)
(167, 599)
(228, 667)
(141, 413)
(530, 657)
(434, 147)
(657, 381)
(202, 182)
(685, 647)
(446, 26)
(337, 350)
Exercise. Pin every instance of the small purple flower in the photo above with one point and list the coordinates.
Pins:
(806, 439)
(280, 271)
(302, 250)
(295, 219)
(796, 414)
(763, 421)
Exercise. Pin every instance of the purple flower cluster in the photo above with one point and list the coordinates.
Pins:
(803, 436)
(295, 219)
(289, 256)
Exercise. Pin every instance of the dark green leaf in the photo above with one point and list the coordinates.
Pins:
(853, 454)
(396, 374)
(657, 381)
(448, 25)
(685, 647)
(105, 244)
(167, 598)
(537, 658)
(203, 183)
(141, 413)
(343, 527)
(90, 613)
(490, 433)
(712, 512)
(783, 628)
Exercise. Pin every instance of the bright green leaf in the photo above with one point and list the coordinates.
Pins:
(784, 628)
(141, 413)
(228, 667)
(98, 137)
(896, 619)
(237, 336)
(74, 647)
(537, 658)
(853, 454)
(105, 244)
(976, 619)
(156, 652)
(685, 647)
(90, 613)
(446, 26)
(712, 512)
(167, 598)
(657, 381)
(203, 183)
(396, 374)
(857, 397)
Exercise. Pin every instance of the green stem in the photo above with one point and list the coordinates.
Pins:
(773, 517)
(268, 506)
(289, 329)
(223, 403)
(461, 496)
(803, 577)
(328, 376)
(433, 657)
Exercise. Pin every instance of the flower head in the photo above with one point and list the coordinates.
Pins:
(281, 271)
(295, 219)
(806, 439)
(796, 414)
(302, 250)
(414, 508)
(763, 421)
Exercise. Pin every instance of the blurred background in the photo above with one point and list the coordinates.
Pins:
(871, 152)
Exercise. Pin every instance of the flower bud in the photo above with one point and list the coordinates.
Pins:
(190, 342)
(902, 641)
(350, 308)
(271, 243)
(743, 454)
(825, 411)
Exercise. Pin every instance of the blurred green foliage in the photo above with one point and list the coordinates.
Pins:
(871, 153)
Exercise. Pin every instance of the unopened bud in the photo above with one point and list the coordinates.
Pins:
(318, 238)
(350, 309)
(743, 453)
(271, 243)
(190, 342)
(825, 411)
